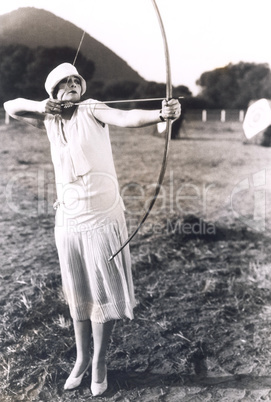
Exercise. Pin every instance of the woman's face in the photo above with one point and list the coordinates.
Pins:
(69, 89)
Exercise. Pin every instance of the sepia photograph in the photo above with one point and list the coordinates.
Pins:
(135, 201)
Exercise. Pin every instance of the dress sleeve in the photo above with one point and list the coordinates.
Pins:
(92, 104)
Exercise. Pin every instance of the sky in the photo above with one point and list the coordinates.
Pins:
(202, 34)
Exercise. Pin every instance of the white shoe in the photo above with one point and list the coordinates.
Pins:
(74, 382)
(98, 388)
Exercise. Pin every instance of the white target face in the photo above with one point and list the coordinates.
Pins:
(258, 117)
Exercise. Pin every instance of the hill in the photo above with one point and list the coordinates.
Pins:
(36, 27)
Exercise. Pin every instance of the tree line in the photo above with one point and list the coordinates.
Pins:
(23, 71)
(235, 85)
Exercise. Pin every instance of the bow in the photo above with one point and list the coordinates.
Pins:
(167, 134)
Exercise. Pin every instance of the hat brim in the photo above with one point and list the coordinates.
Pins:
(83, 83)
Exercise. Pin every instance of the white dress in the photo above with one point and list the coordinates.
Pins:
(90, 224)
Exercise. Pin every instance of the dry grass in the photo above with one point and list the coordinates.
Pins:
(202, 277)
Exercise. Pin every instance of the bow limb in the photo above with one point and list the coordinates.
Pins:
(167, 135)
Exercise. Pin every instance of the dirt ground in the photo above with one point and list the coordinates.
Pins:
(201, 271)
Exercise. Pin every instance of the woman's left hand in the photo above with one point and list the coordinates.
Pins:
(171, 109)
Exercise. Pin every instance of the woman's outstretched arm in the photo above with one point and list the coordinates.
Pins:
(32, 112)
(137, 118)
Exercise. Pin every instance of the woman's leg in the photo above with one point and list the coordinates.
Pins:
(101, 335)
(82, 330)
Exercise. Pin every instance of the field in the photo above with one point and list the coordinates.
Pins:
(201, 271)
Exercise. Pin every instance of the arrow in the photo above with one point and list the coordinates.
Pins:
(70, 104)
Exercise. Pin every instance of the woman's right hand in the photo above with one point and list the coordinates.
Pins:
(51, 106)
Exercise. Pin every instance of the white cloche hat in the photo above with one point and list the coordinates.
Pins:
(58, 74)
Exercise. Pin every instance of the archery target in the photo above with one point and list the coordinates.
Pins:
(258, 117)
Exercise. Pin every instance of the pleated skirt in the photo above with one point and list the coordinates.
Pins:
(95, 288)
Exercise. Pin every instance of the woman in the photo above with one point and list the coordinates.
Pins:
(90, 223)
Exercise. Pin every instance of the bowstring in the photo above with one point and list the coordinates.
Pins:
(76, 55)
(79, 47)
